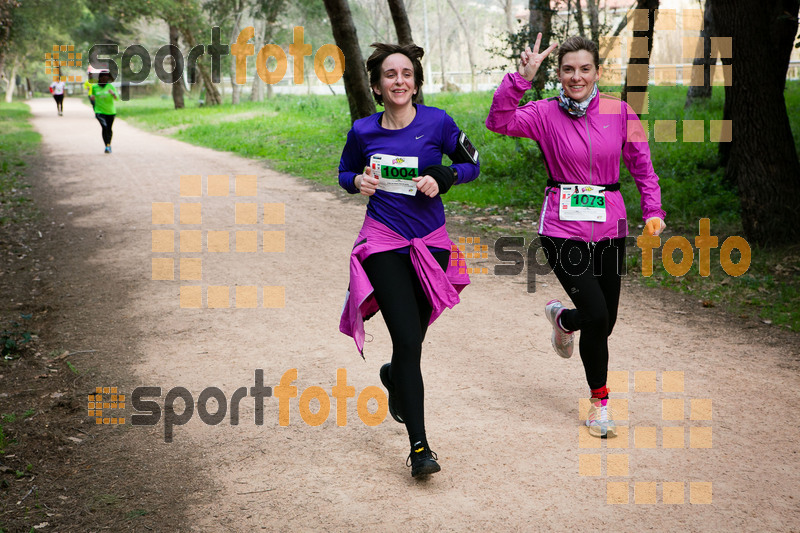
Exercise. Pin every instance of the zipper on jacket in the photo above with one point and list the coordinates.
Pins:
(589, 137)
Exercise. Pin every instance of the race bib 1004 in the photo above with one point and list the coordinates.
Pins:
(394, 173)
(582, 202)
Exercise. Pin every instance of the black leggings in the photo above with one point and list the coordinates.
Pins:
(105, 121)
(591, 275)
(406, 310)
(59, 98)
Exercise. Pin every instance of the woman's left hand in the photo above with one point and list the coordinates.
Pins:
(427, 185)
(654, 226)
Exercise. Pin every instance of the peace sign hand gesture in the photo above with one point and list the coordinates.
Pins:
(531, 60)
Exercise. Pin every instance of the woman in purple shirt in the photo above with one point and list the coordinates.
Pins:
(395, 158)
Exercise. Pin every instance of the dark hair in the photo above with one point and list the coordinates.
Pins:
(575, 44)
(384, 50)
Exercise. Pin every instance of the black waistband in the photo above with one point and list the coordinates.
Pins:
(610, 187)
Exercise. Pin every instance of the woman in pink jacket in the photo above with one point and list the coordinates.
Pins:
(582, 134)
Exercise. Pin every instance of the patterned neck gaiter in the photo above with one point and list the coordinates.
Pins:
(577, 109)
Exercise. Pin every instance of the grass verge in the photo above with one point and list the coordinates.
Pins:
(18, 142)
(304, 136)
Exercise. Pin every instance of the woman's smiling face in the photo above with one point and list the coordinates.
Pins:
(578, 74)
(397, 83)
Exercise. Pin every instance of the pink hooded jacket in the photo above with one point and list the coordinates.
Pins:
(583, 149)
(440, 287)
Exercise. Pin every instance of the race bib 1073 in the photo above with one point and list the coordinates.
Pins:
(582, 202)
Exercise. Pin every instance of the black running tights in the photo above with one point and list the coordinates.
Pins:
(406, 310)
(591, 274)
(105, 121)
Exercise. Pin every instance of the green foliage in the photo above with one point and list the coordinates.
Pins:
(18, 141)
(512, 44)
(769, 290)
(97, 27)
(305, 135)
(136, 513)
(27, 472)
(14, 337)
(298, 135)
(4, 441)
(35, 26)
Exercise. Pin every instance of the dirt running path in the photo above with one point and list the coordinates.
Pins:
(502, 408)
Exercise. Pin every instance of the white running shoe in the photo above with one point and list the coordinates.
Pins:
(561, 339)
(600, 421)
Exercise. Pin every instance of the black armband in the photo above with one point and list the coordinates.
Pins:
(445, 176)
(465, 152)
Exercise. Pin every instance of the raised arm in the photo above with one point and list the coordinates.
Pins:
(505, 115)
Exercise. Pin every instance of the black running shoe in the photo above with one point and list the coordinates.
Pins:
(422, 460)
(390, 389)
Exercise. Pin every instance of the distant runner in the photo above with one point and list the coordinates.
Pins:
(104, 109)
(57, 90)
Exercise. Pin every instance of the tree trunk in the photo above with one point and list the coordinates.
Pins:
(212, 94)
(579, 19)
(403, 28)
(698, 92)
(356, 82)
(177, 83)
(470, 52)
(541, 17)
(257, 88)
(511, 23)
(6, 20)
(427, 58)
(623, 23)
(724, 149)
(237, 17)
(441, 44)
(634, 85)
(594, 19)
(400, 19)
(11, 80)
(763, 161)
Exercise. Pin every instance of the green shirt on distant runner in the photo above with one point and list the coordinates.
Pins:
(104, 99)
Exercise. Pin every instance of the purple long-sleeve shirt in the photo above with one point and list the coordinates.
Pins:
(431, 134)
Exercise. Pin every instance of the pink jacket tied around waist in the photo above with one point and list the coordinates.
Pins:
(441, 288)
